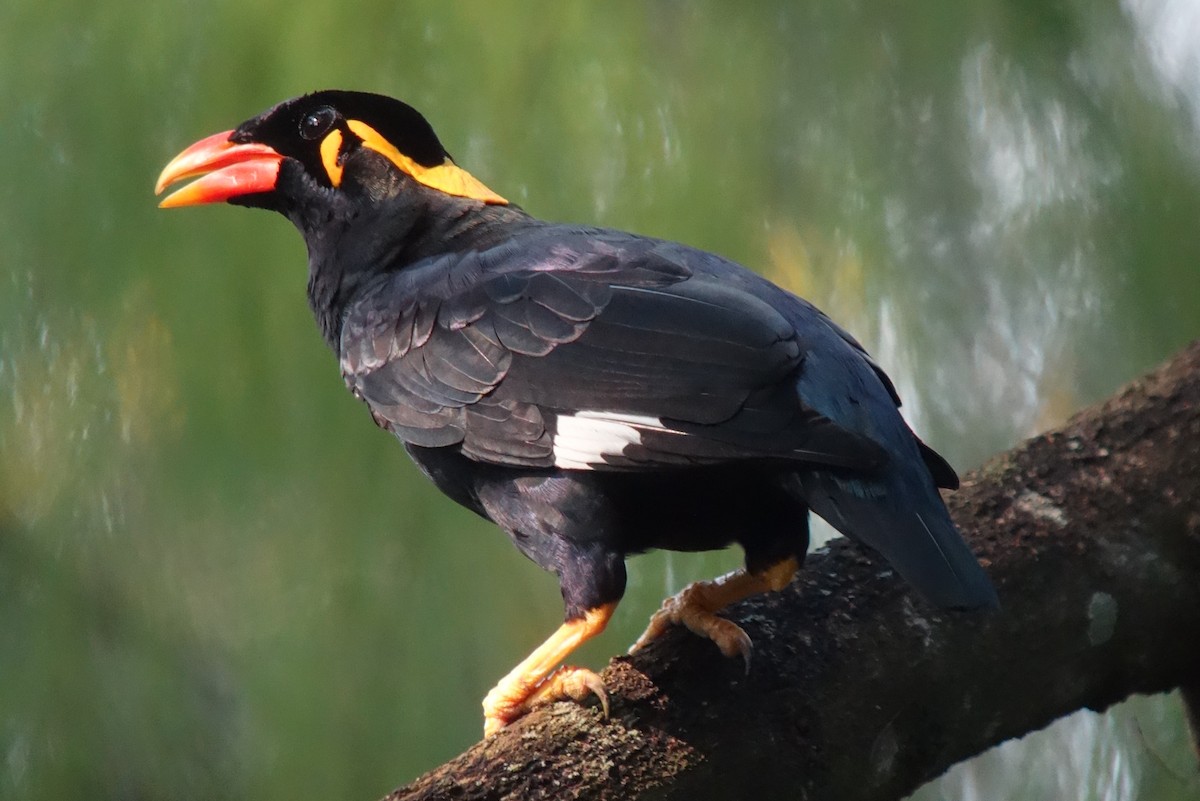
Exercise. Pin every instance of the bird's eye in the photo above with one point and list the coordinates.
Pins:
(317, 123)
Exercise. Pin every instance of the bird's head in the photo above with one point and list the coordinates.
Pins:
(331, 142)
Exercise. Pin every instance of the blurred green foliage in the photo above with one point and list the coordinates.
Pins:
(218, 579)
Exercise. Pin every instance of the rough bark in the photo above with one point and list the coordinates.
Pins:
(858, 691)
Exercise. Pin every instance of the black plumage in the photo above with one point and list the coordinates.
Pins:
(593, 392)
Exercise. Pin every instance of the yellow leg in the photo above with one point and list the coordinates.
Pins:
(535, 681)
(696, 605)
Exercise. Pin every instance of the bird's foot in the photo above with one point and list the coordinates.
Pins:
(695, 606)
(503, 705)
(536, 682)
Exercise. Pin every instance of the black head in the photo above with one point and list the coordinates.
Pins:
(334, 137)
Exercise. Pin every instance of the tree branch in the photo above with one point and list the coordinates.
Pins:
(859, 691)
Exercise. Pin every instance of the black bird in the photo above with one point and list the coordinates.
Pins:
(594, 393)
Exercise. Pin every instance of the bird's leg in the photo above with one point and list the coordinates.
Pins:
(696, 605)
(535, 681)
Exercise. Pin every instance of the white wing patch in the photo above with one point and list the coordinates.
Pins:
(583, 439)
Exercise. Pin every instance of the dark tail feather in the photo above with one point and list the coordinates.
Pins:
(904, 519)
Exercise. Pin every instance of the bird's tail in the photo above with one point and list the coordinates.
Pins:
(900, 515)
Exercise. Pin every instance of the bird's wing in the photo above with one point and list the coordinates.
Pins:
(942, 472)
(585, 357)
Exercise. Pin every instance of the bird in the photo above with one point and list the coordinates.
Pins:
(594, 393)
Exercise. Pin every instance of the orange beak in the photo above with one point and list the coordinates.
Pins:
(229, 170)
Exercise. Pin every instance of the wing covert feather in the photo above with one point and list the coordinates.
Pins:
(491, 350)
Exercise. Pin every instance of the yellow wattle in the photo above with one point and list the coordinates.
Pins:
(331, 147)
(446, 177)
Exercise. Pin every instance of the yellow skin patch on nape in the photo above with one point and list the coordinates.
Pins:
(446, 177)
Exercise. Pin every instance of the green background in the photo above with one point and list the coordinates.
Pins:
(219, 580)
